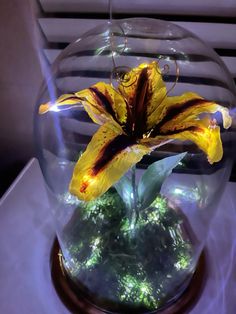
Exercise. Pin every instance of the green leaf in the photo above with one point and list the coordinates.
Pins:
(125, 190)
(150, 184)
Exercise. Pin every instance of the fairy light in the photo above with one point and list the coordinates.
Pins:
(89, 179)
(58, 106)
(86, 182)
(69, 199)
(95, 243)
(178, 191)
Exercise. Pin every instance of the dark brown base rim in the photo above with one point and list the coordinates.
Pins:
(77, 303)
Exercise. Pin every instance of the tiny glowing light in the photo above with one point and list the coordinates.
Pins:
(178, 191)
(95, 243)
(132, 226)
(54, 108)
(69, 199)
(145, 289)
(89, 179)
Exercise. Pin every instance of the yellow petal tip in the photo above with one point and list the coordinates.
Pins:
(44, 108)
(82, 188)
(227, 120)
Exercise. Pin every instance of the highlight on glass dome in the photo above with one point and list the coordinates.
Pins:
(132, 136)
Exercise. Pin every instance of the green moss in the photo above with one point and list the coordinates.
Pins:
(136, 291)
(120, 263)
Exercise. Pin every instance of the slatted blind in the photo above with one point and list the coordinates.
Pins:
(63, 21)
(201, 7)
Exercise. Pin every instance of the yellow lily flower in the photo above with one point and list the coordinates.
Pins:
(135, 119)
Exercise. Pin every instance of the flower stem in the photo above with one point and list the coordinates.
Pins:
(135, 212)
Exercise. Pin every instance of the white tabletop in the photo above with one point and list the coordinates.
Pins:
(26, 236)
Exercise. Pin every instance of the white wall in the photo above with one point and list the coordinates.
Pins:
(20, 78)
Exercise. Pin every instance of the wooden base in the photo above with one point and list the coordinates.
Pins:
(77, 303)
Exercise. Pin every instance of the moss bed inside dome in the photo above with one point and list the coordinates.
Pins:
(140, 265)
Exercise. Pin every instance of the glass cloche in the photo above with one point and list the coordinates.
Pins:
(133, 138)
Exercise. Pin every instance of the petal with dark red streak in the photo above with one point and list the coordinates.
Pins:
(144, 91)
(204, 133)
(101, 101)
(108, 156)
(188, 107)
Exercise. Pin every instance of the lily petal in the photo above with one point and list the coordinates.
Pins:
(206, 138)
(185, 108)
(204, 133)
(128, 85)
(157, 94)
(101, 101)
(62, 103)
(108, 156)
(144, 90)
(155, 142)
(108, 100)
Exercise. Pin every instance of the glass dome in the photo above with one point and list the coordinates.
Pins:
(132, 132)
